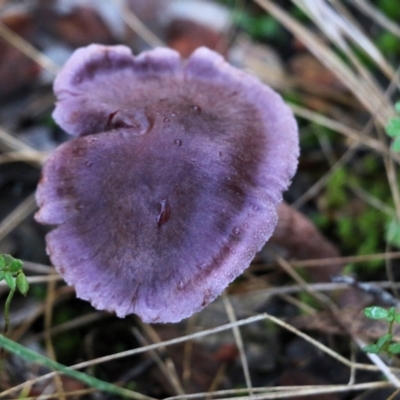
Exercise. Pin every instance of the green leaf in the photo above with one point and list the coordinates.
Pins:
(393, 233)
(2, 273)
(30, 355)
(393, 127)
(15, 266)
(375, 312)
(384, 340)
(391, 314)
(397, 106)
(8, 259)
(22, 283)
(10, 280)
(371, 348)
(397, 318)
(2, 262)
(394, 348)
(395, 146)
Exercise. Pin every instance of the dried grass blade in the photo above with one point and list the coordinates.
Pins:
(22, 211)
(26, 48)
(380, 107)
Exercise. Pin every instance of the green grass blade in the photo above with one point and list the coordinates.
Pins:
(100, 385)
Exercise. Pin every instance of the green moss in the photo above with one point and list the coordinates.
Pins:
(358, 226)
(258, 27)
(388, 43)
(336, 189)
(390, 8)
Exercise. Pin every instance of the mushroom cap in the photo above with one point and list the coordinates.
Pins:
(172, 184)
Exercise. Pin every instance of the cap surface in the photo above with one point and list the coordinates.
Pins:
(172, 184)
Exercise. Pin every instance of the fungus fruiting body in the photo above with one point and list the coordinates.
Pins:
(172, 183)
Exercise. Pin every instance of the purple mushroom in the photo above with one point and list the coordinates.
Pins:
(173, 182)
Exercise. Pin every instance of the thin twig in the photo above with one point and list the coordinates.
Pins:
(373, 101)
(26, 48)
(10, 143)
(321, 182)
(376, 15)
(239, 342)
(35, 157)
(353, 134)
(165, 369)
(380, 364)
(342, 260)
(207, 332)
(288, 391)
(22, 211)
(137, 25)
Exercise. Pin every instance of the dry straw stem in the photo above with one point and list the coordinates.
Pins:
(315, 287)
(34, 157)
(61, 294)
(76, 394)
(137, 25)
(339, 27)
(26, 48)
(169, 367)
(22, 211)
(166, 367)
(364, 89)
(265, 392)
(350, 133)
(9, 142)
(325, 301)
(344, 260)
(38, 279)
(283, 392)
(38, 268)
(198, 335)
(322, 298)
(73, 323)
(303, 307)
(335, 311)
(18, 150)
(376, 15)
(321, 182)
(230, 312)
(393, 396)
(188, 351)
(372, 200)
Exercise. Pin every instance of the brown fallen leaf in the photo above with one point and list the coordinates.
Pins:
(302, 240)
(185, 36)
(309, 72)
